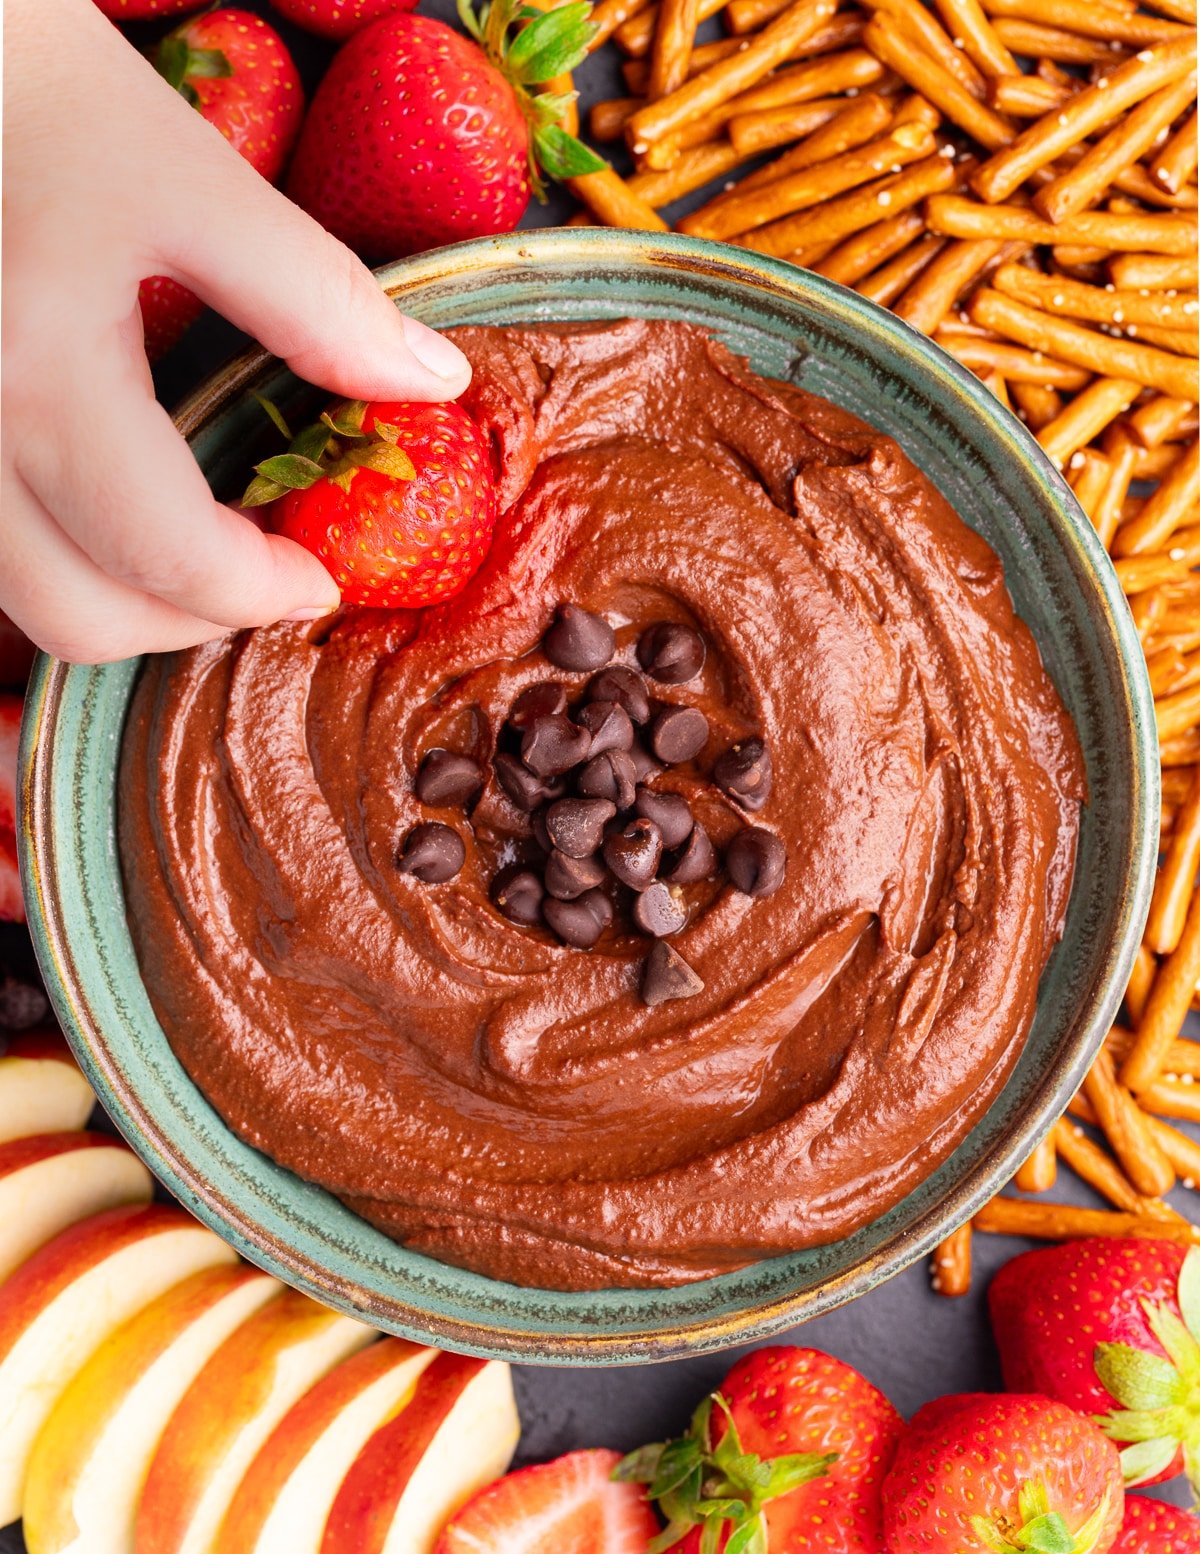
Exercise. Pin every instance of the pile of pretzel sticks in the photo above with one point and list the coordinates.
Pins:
(1016, 178)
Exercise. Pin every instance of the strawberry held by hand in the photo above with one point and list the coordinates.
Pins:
(419, 136)
(337, 18)
(1111, 1328)
(1150, 1527)
(396, 500)
(790, 1455)
(982, 1474)
(235, 70)
(143, 10)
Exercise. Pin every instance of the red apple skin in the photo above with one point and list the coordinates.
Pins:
(16, 1154)
(39, 1047)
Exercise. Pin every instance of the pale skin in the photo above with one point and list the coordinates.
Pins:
(111, 543)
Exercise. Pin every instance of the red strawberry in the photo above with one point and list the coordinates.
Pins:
(397, 500)
(1150, 1527)
(16, 653)
(791, 1453)
(338, 18)
(236, 71)
(141, 10)
(982, 1474)
(570, 1506)
(418, 136)
(12, 907)
(1111, 1328)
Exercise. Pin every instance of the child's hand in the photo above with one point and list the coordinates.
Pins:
(112, 543)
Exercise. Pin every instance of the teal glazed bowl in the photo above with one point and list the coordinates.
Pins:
(792, 325)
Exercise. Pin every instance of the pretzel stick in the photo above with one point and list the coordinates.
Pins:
(1177, 713)
(692, 171)
(1090, 109)
(1100, 1171)
(1124, 1126)
(1138, 574)
(807, 119)
(1120, 450)
(968, 25)
(608, 15)
(1163, 1016)
(1174, 500)
(607, 120)
(886, 284)
(1054, 44)
(1155, 272)
(749, 15)
(1027, 97)
(1090, 177)
(1037, 407)
(1173, 1098)
(1176, 162)
(925, 75)
(1040, 1170)
(914, 22)
(1180, 752)
(637, 71)
(636, 36)
(1181, 341)
(954, 216)
(1085, 347)
(1017, 365)
(611, 199)
(1093, 21)
(850, 70)
(925, 304)
(1065, 1222)
(1159, 420)
(1176, 882)
(952, 1263)
(838, 218)
(1089, 478)
(671, 52)
(867, 250)
(1183, 1152)
(728, 77)
(854, 126)
(1086, 416)
(1183, 1056)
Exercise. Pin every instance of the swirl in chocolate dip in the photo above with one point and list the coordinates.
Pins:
(483, 1091)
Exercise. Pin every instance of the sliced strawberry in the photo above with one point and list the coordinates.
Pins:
(570, 1506)
(1150, 1527)
(12, 906)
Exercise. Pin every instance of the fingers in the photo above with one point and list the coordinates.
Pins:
(123, 485)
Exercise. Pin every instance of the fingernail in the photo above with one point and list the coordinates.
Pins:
(434, 351)
(314, 613)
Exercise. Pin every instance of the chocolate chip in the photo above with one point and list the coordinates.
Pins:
(23, 1005)
(609, 776)
(540, 835)
(432, 853)
(695, 860)
(669, 812)
(567, 878)
(755, 861)
(554, 744)
(678, 733)
(444, 778)
(744, 773)
(644, 764)
(670, 652)
(540, 700)
(579, 923)
(578, 639)
(576, 826)
(609, 725)
(624, 686)
(659, 911)
(518, 894)
(666, 975)
(633, 853)
(525, 789)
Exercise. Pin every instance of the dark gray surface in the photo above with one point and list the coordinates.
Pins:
(913, 1344)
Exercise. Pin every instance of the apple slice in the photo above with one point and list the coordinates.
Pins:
(457, 1433)
(41, 1089)
(52, 1180)
(91, 1457)
(231, 1408)
(283, 1501)
(66, 1299)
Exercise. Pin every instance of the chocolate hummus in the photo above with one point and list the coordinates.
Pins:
(504, 1100)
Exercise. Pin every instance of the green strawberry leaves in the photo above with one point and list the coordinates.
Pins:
(562, 156)
(178, 63)
(316, 452)
(1041, 1530)
(717, 1486)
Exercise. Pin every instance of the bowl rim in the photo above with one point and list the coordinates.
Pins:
(694, 1334)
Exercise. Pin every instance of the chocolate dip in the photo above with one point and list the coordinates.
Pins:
(493, 1097)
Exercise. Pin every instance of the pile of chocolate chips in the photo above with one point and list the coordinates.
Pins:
(582, 774)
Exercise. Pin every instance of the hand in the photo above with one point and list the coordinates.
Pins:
(110, 540)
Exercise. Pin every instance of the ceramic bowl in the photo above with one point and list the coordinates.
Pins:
(792, 325)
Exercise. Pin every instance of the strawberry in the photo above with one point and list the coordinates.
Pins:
(236, 71)
(1150, 1527)
(790, 1454)
(982, 1474)
(146, 10)
(419, 136)
(338, 18)
(396, 500)
(12, 907)
(570, 1506)
(1111, 1328)
(16, 653)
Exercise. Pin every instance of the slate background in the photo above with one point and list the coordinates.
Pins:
(913, 1344)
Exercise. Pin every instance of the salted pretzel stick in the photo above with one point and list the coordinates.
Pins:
(1178, 713)
(1054, 44)
(1173, 1098)
(927, 76)
(1181, 341)
(968, 25)
(1176, 162)
(1089, 477)
(637, 71)
(1089, 110)
(749, 15)
(855, 125)
(1039, 1171)
(1083, 263)
(1065, 1222)
(1180, 752)
(608, 15)
(1093, 21)
(838, 218)
(1176, 879)
(1138, 574)
(1183, 1056)
(1159, 420)
(1183, 1152)
(671, 52)
(810, 186)
(914, 22)
(1162, 1019)
(1026, 97)
(636, 36)
(1037, 407)
(806, 120)
(1120, 451)
(1070, 342)
(839, 32)
(890, 280)
(1166, 509)
(610, 198)
(1101, 1172)
(818, 78)
(728, 77)
(1154, 464)
(952, 1263)
(1082, 421)
(607, 119)
(1166, 667)
(925, 304)
(1088, 180)
(1017, 365)
(692, 171)
(1124, 1126)
(1141, 981)
(867, 250)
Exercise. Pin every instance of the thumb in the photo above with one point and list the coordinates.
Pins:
(271, 269)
